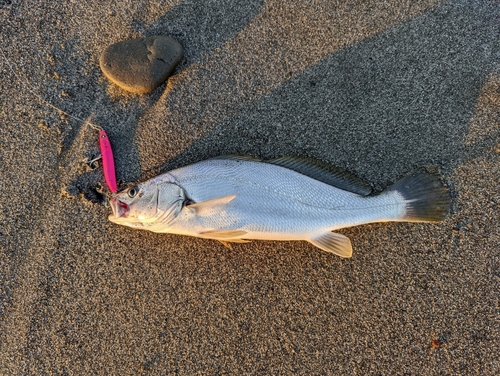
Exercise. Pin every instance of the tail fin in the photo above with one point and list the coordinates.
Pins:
(427, 200)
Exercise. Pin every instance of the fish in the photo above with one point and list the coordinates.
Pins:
(239, 199)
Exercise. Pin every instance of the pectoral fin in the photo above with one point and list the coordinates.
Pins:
(333, 243)
(201, 208)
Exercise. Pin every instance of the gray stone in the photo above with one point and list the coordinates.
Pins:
(141, 65)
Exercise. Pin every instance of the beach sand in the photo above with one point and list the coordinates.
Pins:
(378, 88)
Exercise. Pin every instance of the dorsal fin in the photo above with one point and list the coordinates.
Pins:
(237, 157)
(325, 173)
(316, 169)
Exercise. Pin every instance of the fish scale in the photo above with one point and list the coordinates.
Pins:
(284, 191)
(202, 180)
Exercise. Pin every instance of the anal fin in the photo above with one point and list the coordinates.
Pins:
(333, 243)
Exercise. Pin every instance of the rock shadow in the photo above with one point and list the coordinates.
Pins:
(198, 34)
(120, 115)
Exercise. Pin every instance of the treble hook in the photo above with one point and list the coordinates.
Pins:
(92, 163)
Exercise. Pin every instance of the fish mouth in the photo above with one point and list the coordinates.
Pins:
(120, 209)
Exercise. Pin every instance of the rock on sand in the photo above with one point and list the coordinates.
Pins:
(141, 65)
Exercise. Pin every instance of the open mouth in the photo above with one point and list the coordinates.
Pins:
(120, 209)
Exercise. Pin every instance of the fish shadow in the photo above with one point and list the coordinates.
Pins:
(381, 107)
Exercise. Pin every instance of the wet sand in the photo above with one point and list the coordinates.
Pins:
(380, 89)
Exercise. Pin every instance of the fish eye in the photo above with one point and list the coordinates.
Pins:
(132, 192)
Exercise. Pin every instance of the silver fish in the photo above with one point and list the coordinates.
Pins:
(236, 199)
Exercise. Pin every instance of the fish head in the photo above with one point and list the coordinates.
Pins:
(151, 205)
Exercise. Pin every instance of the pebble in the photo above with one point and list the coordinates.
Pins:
(141, 65)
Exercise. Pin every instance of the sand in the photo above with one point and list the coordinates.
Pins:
(378, 88)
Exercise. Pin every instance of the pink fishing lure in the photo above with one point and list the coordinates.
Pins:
(108, 163)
